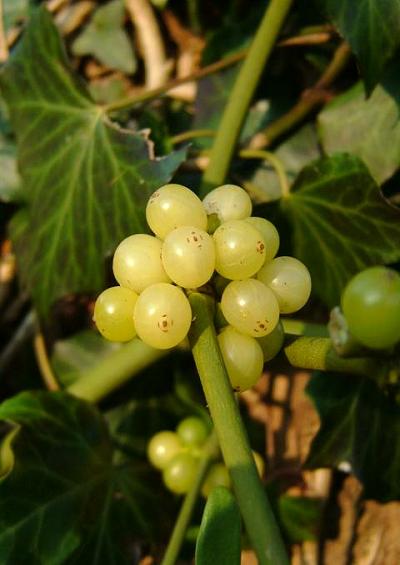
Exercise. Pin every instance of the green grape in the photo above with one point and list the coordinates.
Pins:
(272, 343)
(162, 448)
(173, 206)
(181, 473)
(269, 233)
(192, 431)
(217, 476)
(371, 305)
(289, 280)
(188, 256)
(259, 461)
(162, 315)
(113, 313)
(250, 307)
(243, 358)
(137, 262)
(239, 250)
(229, 202)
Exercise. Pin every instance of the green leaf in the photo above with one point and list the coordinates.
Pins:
(219, 540)
(64, 498)
(300, 517)
(14, 11)
(105, 38)
(372, 29)
(360, 425)
(9, 178)
(86, 180)
(368, 128)
(341, 223)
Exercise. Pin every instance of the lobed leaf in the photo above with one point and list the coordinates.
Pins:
(372, 29)
(360, 425)
(63, 496)
(341, 223)
(85, 180)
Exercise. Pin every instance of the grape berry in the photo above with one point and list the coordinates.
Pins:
(154, 273)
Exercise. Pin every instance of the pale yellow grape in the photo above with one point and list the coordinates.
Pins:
(162, 315)
(113, 313)
(181, 472)
(269, 233)
(229, 202)
(259, 461)
(162, 448)
(137, 262)
(243, 358)
(172, 206)
(217, 476)
(188, 256)
(272, 343)
(290, 281)
(239, 250)
(250, 307)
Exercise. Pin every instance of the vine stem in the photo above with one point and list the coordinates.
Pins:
(242, 93)
(253, 502)
(274, 161)
(115, 370)
(210, 452)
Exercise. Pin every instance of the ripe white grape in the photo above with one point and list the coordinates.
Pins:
(250, 307)
(229, 202)
(137, 262)
(188, 256)
(243, 358)
(289, 280)
(172, 206)
(113, 313)
(270, 236)
(162, 448)
(239, 250)
(181, 473)
(162, 315)
(272, 343)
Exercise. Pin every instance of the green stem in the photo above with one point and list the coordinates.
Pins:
(317, 353)
(254, 505)
(193, 13)
(192, 134)
(115, 370)
(242, 93)
(274, 161)
(209, 453)
(299, 327)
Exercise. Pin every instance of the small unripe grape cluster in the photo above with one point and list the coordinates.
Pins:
(154, 272)
(177, 455)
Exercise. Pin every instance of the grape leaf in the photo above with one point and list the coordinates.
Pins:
(86, 180)
(360, 425)
(105, 38)
(372, 128)
(341, 222)
(63, 496)
(372, 29)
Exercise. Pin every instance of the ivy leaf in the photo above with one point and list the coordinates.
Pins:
(372, 29)
(86, 181)
(360, 425)
(105, 38)
(14, 11)
(63, 496)
(300, 517)
(342, 223)
(372, 130)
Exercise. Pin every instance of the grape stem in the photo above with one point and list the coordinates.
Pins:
(242, 93)
(253, 502)
(210, 452)
(115, 370)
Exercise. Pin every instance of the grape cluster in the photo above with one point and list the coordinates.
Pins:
(177, 455)
(155, 271)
